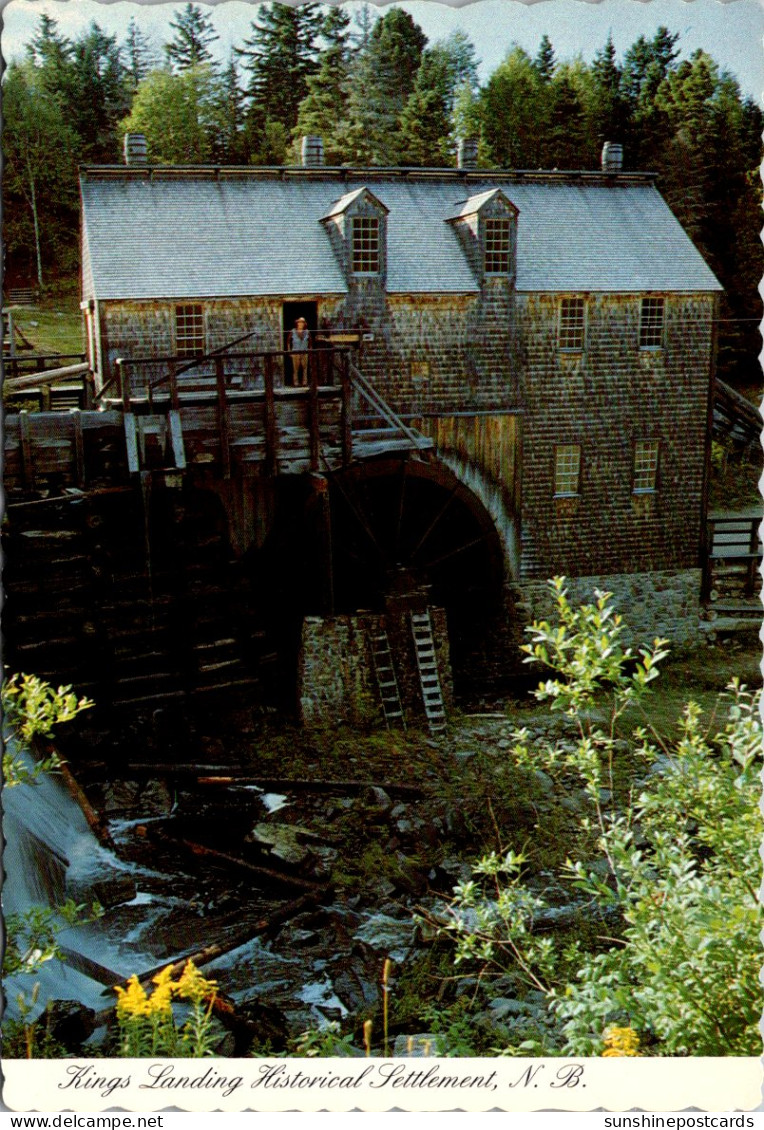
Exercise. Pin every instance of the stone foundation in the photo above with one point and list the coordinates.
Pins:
(663, 604)
(336, 682)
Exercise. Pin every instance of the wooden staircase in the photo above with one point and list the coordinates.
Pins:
(387, 683)
(427, 666)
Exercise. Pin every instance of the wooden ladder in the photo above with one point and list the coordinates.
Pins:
(427, 663)
(384, 671)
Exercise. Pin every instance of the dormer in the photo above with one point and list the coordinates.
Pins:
(486, 225)
(357, 227)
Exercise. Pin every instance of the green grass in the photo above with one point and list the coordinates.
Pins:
(54, 324)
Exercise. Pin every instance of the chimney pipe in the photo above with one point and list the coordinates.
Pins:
(135, 149)
(312, 151)
(467, 153)
(612, 157)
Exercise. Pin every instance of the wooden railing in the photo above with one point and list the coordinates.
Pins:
(148, 385)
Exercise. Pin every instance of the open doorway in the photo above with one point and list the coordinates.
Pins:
(291, 311)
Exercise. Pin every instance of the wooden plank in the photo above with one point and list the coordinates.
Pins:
(224, 419)
(314, 419)
(131, 443)
(271, 433)
(176, 439)
(27, 463)
(80, 475)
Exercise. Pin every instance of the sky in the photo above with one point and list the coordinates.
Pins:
(732, 32)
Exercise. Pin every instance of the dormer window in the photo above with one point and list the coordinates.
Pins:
(357, 227)
(486, 226)
(366, 245)
(498, 246)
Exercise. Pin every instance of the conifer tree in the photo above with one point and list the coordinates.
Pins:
(545, 61)
(138, 55)
(323, 107)
(193, 35)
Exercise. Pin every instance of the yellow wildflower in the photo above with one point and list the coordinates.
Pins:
(132, 1001)
(621, 1042)
(194, 986)
(161, 999)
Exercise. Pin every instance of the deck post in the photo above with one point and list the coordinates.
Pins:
(27, 461)
(79, 447)
(271, 435)
(314, 420)
(224, 419)
(346, 422)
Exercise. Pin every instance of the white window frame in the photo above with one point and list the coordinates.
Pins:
(652, 322)
(571, 324)
(366, 245)
(497, 245)
(567, 470)
(646, 461)
(190, 338)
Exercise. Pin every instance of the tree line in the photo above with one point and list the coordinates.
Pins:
(379, 94)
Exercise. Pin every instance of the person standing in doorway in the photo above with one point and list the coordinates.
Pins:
(299, 340)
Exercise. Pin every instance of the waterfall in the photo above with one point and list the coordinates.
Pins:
(50, 856)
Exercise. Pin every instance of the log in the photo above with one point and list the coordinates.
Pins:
(218, 949)
(227, 775)
(233, 861)
(45, 376)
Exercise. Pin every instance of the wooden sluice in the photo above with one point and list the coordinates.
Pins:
(141, 533)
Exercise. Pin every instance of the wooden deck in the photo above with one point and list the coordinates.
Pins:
(231, 415)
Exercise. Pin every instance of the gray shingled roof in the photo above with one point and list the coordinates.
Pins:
(258, 234)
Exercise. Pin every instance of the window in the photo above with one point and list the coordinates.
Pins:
(189, 331)
(572, 327)
(366, 257)
(651, 323)
(567, 469)
(645, 465)
(497, 246)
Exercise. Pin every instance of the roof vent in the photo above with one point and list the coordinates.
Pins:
(135, 149)
(312, 151)
(467, 152)
(612, 157)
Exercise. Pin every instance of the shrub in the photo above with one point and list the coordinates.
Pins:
(666, 870)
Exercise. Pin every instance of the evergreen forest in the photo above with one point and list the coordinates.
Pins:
(378, 93)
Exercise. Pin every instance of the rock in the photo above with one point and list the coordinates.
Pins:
(113, 890)
(392, 936)
(70, 1023)
(506, 1006)
(544, 781)
(377, 799)
(282, 840)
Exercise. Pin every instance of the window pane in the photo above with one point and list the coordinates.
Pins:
(572, 324)
(189, 331)
(651, 323)
(645, 464)
(567, 468)
(366, 245)
(497, 247)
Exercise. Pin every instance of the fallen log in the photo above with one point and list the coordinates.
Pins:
(216, 856)
(219, 949)
(234, 775)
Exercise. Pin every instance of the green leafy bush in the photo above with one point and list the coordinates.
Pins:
(665, 871)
